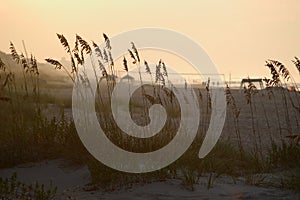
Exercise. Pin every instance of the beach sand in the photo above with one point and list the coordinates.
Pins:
(72, 184)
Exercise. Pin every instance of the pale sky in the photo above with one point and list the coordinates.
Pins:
(238, 35)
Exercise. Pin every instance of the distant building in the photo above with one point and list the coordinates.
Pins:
(127, 78)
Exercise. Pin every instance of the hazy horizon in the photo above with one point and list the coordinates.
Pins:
(238, 35)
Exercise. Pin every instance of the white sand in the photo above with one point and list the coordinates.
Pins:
(172, 189)
(56, 170)
(71, 181)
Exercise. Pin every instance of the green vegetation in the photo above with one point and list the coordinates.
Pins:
(11, 188)
(28, 134)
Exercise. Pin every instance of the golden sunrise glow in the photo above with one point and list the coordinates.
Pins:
(238, 35)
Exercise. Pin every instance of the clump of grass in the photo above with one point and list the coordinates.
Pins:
(30, 72)
(41, 138)
(286, 155)
(190, 178)
(11, 188)
(110, 180)
(292, 181)
(26, 135)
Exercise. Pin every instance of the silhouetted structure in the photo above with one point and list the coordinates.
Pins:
(252, 80)
(127, 78)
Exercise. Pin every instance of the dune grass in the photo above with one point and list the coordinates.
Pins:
(28, 135)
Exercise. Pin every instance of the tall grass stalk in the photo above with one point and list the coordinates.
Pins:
(249, 92)
(236, 113)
